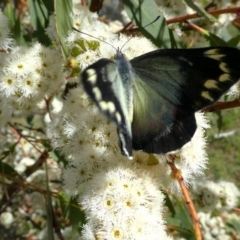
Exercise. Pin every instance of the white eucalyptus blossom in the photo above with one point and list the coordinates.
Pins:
(24, 164)
(209, 195)
(213, 228)
(234, 90)
(120, 201)
(29, 75)
(6, 219)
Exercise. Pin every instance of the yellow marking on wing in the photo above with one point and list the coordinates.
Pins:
(224, 68)
(214, 54)
(206, 95)
(211, 84)
(212, 51)
(224, 77)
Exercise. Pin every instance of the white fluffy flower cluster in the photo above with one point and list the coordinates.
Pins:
(123, 202)
(235, 90)
(213, 228)
(28, 75)
(219, 227)
(208, 195)
(6, 219)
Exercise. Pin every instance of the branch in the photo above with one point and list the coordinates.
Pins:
(177, 175)
(130, 26)
(196, 15)
(222, 105)
(12, 191)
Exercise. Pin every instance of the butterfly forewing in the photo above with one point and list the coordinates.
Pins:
(104, 85)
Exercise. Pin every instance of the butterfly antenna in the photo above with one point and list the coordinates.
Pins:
(94, 37)
(140, 31)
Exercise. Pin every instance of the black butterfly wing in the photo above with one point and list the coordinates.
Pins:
(104, 84)
(170, 86)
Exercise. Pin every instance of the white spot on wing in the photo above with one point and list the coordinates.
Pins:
(97, 93)
(111, 107)
(107, 106)
(103, 105)
(118, 117)
(92, 76)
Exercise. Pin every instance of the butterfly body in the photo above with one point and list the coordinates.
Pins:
(152, 98)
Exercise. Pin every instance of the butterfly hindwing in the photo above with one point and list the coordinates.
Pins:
(159, 125)
(170, 86)
(104, 84)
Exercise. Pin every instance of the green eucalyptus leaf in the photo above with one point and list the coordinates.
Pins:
(235, 41)
(9, 151)
(181, 222)
(235, 224)
(215, 41)
(9, 12)
(76, 215)
(30, 119)
(39, 13)
(58, 157)
(183, 215)
(199, 10)
(169, 204)
(15, 24)
(72, 211)
(63, 10)
(143, 13)
(8, 170)
(64, 203)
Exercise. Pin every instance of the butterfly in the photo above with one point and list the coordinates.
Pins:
(153, 98)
